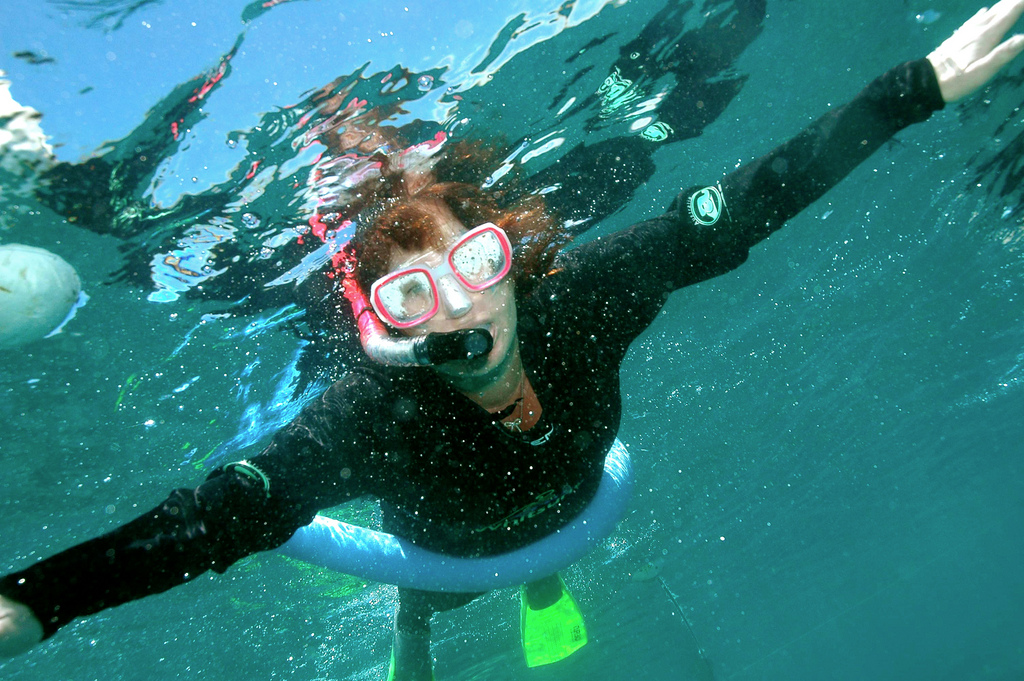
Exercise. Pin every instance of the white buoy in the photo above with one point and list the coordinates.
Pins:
(39, 291)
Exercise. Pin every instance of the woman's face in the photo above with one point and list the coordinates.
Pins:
(493, 309)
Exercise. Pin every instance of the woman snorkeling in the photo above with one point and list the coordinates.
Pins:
(502, 441)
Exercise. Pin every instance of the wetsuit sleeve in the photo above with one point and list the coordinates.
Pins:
(760, 196)
(311, 464)
(623, 279)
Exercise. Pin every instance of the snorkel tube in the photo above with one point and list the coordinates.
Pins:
(381, 346)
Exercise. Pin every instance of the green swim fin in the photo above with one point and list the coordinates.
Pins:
(391, 667)
(553, 633)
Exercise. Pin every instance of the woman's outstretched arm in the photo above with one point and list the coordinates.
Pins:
(708, 231)
(759, 197)
(241, 508)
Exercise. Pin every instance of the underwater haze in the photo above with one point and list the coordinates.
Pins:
(828, 441)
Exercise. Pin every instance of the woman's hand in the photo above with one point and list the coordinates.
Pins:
(970, 57)
(19, 628)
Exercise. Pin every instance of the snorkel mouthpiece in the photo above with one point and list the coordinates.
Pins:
(455, 345)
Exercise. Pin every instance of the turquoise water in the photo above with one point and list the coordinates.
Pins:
(827, 439)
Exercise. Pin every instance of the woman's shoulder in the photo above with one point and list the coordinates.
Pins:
(365, 386)
(358, 385)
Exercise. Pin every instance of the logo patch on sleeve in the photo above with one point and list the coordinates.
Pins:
(706, 206)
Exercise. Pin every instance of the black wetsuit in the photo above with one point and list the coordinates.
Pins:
(449, 477)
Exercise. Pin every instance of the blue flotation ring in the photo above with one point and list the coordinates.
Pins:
(383, 557)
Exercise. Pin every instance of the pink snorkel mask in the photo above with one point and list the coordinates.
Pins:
(412, 295)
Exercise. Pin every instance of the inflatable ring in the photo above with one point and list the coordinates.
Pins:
(383, 557)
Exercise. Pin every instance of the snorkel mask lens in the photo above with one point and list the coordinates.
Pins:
(406, 298)
(481, 261)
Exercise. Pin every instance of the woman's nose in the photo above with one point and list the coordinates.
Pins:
(455, 300)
